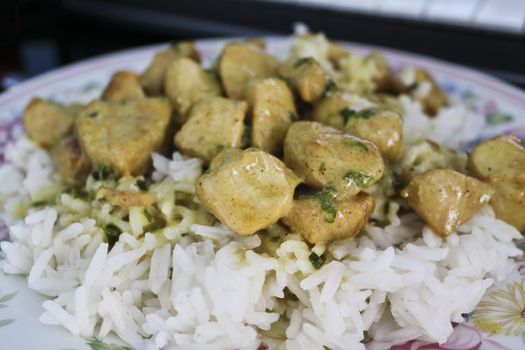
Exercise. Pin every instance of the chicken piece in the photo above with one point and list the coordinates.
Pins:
(501, 161)
(47, 122)
(358, 116)
(325, 156)
(308, 79)
(241, 63)
(123, 86)
(273, 111)
(445, 199)
(214, 124)
(187, 83)
(72, 163)
(423, 87)
(509, 200)
(126, 199)
(491, 156)
(328, 110)
(152, 79)
(123, 136)
(382, 127)
(385, 80)
(336, 53)
(247, 190)
(321, 219)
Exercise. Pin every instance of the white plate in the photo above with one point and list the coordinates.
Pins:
(502, 106)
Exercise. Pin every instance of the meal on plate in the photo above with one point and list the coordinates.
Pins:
(305, 203)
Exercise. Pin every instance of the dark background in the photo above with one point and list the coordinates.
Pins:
(41, 35)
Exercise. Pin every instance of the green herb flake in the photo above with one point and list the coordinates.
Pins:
(397, 182)
(316, 260)
(154, 226)
(93, 114)
(219, 147)
(329, 88)
(103, 172)
(325, 198)
(358, 178)
(148, 216)
(304, 61)
(112, 232)
(275, 239)
(348, 114)
(141, 184)
(322, 167)
(357, 144)
(292, 116)
(97, 344)
(498, 118)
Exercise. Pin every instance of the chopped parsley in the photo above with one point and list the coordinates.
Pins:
(219, 147)
(142, 184)
(325, 198)
(361, 145)
(303, 61)
(112, 232)
(322, 167)
(103, 172)
(348, 113)
(358, 178)
(292, 116)
(316, 260)
(97, 344)
(329, 88)
(84, 195)
(93, 114)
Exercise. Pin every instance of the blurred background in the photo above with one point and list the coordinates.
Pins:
(488, 35)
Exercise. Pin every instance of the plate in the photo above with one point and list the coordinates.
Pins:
(501, 105)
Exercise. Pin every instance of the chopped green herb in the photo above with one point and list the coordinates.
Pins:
(325, 198)
(348, 113)
(39, 203)
(358, 178)
(148, 216)
(329, 88)
(219, 147)
(103, 172)
(316, 260)
(362, 146)
(292, 116)
(498, 118)
(152, 227)
(322, 167)
(280, 77)
(84, 195)
(274, 239)
(142, 184)
(93, 114)
(112, 232)
(366, 337)
(302, 61)
(97, 344)
(397, 182)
